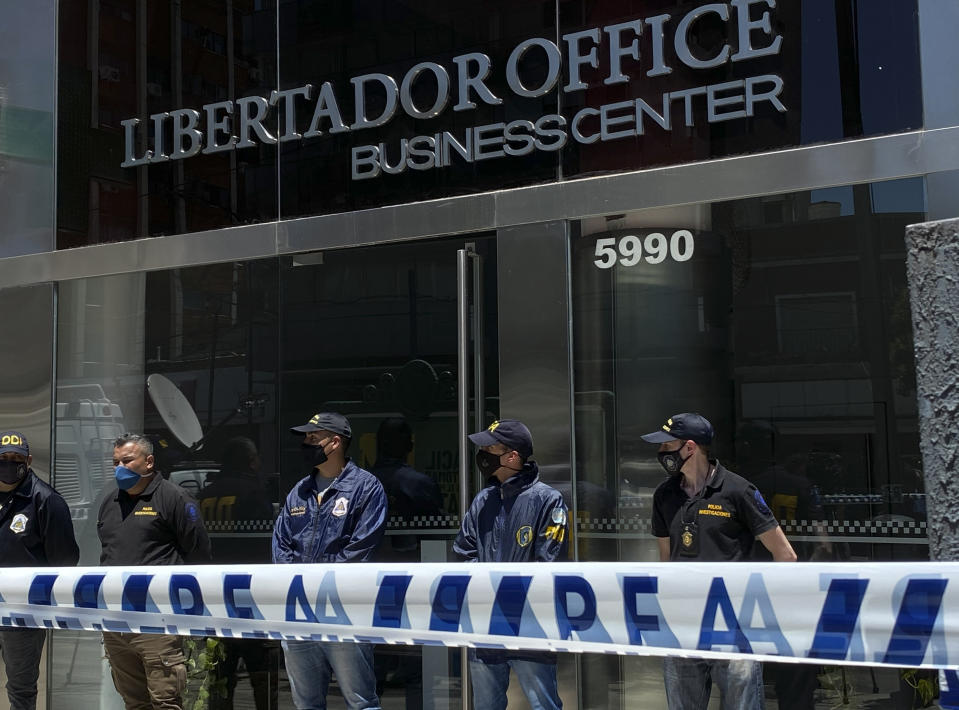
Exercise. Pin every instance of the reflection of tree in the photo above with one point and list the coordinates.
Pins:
(902, 363)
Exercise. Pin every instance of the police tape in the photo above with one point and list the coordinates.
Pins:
(898, 614)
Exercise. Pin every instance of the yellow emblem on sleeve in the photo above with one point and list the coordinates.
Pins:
(524, 536)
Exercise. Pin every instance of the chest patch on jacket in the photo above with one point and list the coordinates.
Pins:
(339, 507)
(19, 523)
(524, 536)
(715, 510)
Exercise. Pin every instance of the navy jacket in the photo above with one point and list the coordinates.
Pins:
(35, 527)
(522, 520)
(347, 527)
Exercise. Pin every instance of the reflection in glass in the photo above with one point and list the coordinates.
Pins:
(125, 59)
(833, 71)
(789, 328)
(211, 335)
(216, 362)
(371, 333)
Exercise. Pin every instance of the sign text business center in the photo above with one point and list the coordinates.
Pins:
(619, 42)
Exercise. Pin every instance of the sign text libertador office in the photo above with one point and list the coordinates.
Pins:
(464, 85)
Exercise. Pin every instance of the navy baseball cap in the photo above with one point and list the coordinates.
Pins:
(509, 432)
(326, 421)
(14, 442)
(685, 426)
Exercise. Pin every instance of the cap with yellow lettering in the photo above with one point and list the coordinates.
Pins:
(14, 442)
(509, 432)
(686, 426)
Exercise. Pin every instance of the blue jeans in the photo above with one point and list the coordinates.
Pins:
(689, 681)
(538, 681)
(310, 664)
(21, 649)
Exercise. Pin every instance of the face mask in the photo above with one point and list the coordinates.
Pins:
(12, 471)
(313, 456)
(487, 462)
(126, 478)
(672, 461)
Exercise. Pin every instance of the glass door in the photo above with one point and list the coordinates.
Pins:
(402, 340)
(398, 338)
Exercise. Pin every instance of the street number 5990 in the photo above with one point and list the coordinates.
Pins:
(629, 250)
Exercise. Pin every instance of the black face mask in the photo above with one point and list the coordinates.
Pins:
(487, 462)
(672, 461)
(313, 456)
(12, 471)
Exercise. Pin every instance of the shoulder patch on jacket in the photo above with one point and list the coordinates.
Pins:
(524, 536)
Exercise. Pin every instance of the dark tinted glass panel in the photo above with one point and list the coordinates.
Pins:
(123, 59)
(784, 320)
(336, 41)
(372, 333)
(807, 71)
(383, 103)
(211, 335)
(28, 52)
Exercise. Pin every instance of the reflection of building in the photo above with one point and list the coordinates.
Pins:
(275, 286)
(133, 61)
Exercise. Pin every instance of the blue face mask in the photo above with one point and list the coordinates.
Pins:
(126, 478)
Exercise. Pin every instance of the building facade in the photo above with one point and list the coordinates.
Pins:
(586, 214)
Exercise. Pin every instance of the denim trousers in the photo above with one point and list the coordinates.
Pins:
(311, 664)
(21, 649)
(690, 680)
(491, 680)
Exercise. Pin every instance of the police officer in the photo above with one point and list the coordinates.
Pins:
(147, 520)
(704, 513)
(337, 513)
(516, 518)
(35, 531)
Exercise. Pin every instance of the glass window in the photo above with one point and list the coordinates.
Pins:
(339, 106)
(209, 333)
(27, 132)
(124, 60)
(833, 71)
(323, 41)
(216, 362)
(785, 320)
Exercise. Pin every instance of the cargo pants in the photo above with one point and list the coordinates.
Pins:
(148, 670)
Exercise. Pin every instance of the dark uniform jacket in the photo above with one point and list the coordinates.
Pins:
(409, 494)
(521, 520)
(161, 526)
(408, 491)
(35, 527)
(346, 527)
(728, 515)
